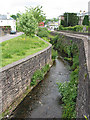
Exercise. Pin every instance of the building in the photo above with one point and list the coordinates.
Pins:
(81, 16)
(61, 17)
(52, 25)
(7, 22)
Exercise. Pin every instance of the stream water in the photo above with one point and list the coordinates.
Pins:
(44, 100)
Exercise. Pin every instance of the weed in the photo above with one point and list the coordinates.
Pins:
(39, 75)
(45, 68)
(54, 54)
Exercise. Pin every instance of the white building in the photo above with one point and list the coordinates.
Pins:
(5, 20)
(53, 25)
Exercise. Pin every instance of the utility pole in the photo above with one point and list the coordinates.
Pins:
(67, 18)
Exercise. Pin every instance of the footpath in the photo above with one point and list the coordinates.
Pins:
(9, 36)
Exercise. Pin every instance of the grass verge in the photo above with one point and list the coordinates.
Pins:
(19, 47)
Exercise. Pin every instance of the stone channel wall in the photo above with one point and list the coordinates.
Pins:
(16, 77)
(83, 97)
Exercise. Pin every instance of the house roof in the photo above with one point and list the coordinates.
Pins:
(4, 17)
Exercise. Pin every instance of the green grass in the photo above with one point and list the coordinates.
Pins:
(19, 47)
(50, 36)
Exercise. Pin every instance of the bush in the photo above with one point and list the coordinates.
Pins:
(42, 32)
(54, 54)
(77, 28)
(68, 91)
(39, 75)
(45, 68)
(61, 27)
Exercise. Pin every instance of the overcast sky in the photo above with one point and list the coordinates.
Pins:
(52, 8)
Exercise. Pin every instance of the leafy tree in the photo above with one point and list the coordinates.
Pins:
(14, 17)
(63, 23)
(51, 20)
(55, 19)
(28, 24)
(70, 19)
(47, 20)
(86, 20)
(18, 15)
(37, 13)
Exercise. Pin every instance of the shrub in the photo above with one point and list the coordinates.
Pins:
(61, 27)
(39, 75)
(77, 28)
(54, 54)
(42, 32)
(45, 68)
(68, 91)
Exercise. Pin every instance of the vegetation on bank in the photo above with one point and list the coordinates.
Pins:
(45, 34)
(68, 89)
(18, 48)
(39, 75)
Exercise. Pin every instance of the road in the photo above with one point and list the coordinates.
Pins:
(10, 36)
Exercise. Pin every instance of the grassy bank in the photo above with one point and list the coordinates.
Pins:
(19, 47)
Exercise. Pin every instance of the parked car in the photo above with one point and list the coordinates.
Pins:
(12, 32)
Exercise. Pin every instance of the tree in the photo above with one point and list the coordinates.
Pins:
(14, 17)
(51, 20)
(28, 24)
(38, 13)
(18, 15)
(86, 20)
(70, 19)
(54, 19)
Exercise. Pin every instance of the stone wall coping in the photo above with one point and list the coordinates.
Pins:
(25, 59)
(81, 36)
